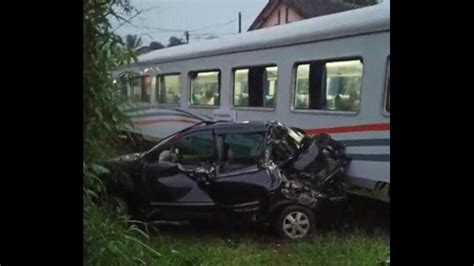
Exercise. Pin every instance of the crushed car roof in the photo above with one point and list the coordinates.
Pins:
(233, 124)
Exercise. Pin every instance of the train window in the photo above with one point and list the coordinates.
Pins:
(255, 86)
(328, 85)
(205, 88)
(140, 89)
(168, 89)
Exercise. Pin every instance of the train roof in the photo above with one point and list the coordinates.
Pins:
(353, 22)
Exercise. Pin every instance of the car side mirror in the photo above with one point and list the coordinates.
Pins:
(168, 168)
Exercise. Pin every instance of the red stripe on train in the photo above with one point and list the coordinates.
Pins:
(156, 121)
(358, 128)
(332, 130)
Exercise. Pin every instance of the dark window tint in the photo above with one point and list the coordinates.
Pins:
(195, 148)
(241, 150)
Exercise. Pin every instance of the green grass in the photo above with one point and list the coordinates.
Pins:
(329, 249)
(109, 241)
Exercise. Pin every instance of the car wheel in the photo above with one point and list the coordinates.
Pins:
(294, 222)
(118, 205)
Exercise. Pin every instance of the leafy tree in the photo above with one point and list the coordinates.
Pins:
(156, 45)
(106, 241)
(133, 42)
(174, 41)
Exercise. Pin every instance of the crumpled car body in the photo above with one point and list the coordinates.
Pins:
(242, 170)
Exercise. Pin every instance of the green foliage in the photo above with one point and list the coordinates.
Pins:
(108, 240)
(175, 41)
(103, 53)
(198, 249)
(133, 42)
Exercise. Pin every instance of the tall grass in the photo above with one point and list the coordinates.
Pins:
(320, 250)
(111, 240)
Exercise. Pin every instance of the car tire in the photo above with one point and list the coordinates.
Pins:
(294, 222)
(118, 205)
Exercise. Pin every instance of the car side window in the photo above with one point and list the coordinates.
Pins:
(241, 150)
(195, 148)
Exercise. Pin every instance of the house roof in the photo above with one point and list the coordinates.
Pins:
(316, 8)
(305, 8)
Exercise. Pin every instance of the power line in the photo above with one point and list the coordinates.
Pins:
(181, 30)
(193, 33)
(157, 29)
(215, 25)
(129, 20)
(213, 33)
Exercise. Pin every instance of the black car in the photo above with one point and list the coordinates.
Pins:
(263, 172)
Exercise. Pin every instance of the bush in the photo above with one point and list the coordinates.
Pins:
(108, 239)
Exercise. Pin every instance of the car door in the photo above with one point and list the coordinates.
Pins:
(174, 190)
(240, 182)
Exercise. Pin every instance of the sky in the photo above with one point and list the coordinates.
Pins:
(162, 19)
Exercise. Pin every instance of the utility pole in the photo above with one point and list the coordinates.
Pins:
(187, 36)
(240, 22)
